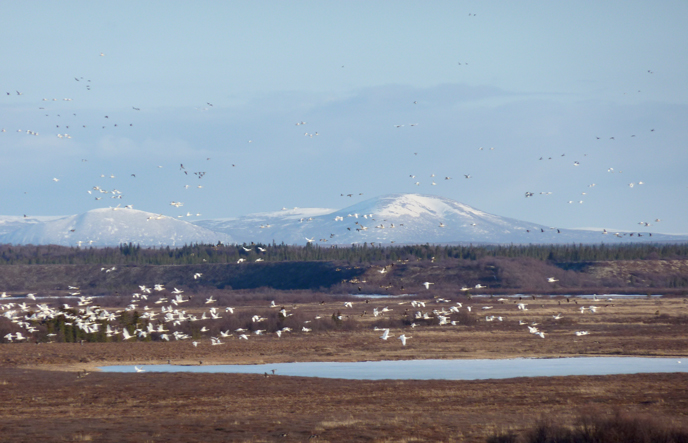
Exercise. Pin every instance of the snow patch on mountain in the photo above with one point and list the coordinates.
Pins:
(10, 223)
(405, 219)
(394, 218)
(110, 227)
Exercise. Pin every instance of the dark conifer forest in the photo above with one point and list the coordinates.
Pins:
(129, 254)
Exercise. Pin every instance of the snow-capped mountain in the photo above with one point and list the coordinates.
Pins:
(260, 224)
(10, 223)
(395, 218)
(405, 219)
(108, 227)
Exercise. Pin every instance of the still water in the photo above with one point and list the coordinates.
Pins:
(440, 369)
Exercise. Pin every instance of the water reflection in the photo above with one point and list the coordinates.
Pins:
(439, 369)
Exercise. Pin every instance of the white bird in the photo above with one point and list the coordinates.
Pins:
(403, 339)
(139, 369)
(552, 280)
(580, 333)
(385, 335)
(427, 284)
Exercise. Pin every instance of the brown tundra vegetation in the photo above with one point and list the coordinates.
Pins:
(51, 388)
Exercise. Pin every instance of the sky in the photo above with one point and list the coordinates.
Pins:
(150, 100)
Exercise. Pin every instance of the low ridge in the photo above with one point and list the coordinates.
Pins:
(111, 227)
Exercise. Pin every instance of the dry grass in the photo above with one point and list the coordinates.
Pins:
(242, 407)
(598, 427)
(59, 405)
(620, 327)
(82, 437)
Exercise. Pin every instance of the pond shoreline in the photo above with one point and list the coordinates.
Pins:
(433, 369)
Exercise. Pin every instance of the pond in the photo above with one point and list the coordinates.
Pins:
(439, 369)
(598, 297)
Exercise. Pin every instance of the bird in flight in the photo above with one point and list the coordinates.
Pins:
(385, 334)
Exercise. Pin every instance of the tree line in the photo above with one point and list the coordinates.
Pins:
(130, 254)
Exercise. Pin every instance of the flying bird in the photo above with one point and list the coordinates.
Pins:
(403, 339)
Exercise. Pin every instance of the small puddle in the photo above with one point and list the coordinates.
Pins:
(439, 369)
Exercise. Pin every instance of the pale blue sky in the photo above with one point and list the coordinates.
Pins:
(536, 79)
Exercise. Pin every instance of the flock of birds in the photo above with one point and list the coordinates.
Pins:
(163, 313)
(163, 316)
(59, 113)
(433, 178)
(547, 193)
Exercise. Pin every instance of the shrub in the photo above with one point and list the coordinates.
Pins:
(596, 428)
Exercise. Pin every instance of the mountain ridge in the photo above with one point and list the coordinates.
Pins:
(112, 227)
(387, 219)
(409, 219)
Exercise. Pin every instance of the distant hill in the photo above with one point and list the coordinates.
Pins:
(10, 223)
(109, 227)
(407, 219)
(389, 219)
(496, 275)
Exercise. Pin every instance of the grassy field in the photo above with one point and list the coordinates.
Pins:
(53, 391)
